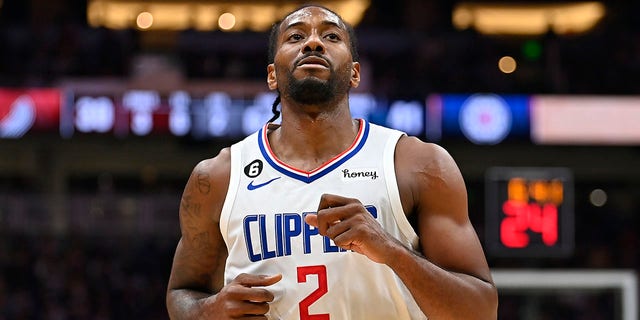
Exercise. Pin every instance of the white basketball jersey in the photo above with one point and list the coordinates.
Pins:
(262, 223)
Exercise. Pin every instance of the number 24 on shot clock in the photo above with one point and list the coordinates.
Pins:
(529, 212)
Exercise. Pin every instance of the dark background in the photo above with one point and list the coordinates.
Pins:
(88, 225)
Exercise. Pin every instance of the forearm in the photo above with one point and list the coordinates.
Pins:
(183, 304)
(443, 294)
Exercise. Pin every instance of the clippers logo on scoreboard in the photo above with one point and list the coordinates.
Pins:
(485, 119)
(529, 211)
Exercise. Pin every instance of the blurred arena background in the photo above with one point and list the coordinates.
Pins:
(106, 106)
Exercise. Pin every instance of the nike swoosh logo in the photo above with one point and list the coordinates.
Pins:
(252, 186)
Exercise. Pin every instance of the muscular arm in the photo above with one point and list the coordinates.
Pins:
(452, 280)
(199, 258)
(195, 289)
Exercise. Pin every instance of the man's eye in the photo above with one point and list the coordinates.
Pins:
(295, 37)
(333, 36)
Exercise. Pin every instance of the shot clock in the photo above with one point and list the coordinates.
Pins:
(529, 212)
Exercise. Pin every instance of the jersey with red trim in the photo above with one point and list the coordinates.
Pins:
(262, 223)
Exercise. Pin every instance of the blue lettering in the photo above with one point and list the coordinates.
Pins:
(291, 230)
(308, 232)
(277, 234)
(279, 249)
(247, 231)
(266, 254)
(372, 210)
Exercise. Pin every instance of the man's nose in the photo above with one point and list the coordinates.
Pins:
(313, 44)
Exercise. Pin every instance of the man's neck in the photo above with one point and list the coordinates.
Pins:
(307, 140)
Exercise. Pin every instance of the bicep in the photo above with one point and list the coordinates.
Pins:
(453, 246)
(201, 252)
(447, 237)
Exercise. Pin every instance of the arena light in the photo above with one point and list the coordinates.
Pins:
(204, 15)
(144, 20)
(507, 64)
(227, 21)
(528, 18)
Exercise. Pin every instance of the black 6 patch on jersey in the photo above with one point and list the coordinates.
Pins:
(254, 168)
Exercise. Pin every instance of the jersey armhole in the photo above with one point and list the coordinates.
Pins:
(394, 193)
(234, 181)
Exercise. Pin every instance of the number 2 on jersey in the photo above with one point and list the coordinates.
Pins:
(321, 272)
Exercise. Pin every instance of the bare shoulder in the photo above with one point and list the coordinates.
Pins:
(216, 168)
(209, 182)
(412, 151)
(429, 174)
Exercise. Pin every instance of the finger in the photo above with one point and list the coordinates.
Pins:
(337, 228)
(328, 200)
(345, 239)
(311, 219)
(255, 308)
(257, 280)
(341, 209)
(248, 310)
(329, 217)
(254, 295)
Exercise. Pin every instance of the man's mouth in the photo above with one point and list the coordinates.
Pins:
(313, 61)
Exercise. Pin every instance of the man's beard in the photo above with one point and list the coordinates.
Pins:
(316, 91)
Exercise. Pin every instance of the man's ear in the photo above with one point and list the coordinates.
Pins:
(355, 74)
(272, 80)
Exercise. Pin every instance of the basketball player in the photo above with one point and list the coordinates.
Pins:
(310, 219)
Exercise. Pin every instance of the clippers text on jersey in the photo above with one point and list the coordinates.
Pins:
(288, 229)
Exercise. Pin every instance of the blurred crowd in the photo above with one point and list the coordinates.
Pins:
(409, 47)
(410, 50)
(84, 277)
(59, 278)
(102, 272)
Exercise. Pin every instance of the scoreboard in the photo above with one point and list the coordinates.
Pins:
(217, 111)
(529, 212)
(125, 112)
